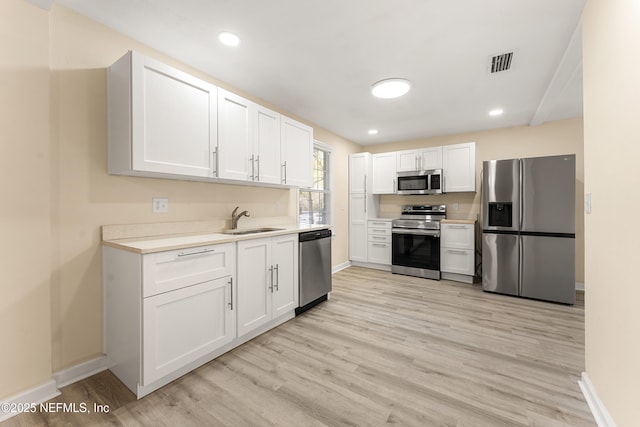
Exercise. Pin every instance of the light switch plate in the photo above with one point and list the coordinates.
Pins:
(160, 205)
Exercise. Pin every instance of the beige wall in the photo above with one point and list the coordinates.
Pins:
(25, 257)
(611, 35)
(58, 194)
(560, 137)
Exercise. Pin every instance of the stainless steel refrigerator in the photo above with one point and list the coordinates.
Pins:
(528, 227)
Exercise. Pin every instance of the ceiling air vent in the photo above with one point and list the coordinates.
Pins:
(501, 62)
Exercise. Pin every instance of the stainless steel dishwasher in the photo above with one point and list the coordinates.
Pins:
(314, 268)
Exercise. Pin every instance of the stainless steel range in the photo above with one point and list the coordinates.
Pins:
(415, 241)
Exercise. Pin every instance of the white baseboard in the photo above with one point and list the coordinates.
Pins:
(80, 372)
(580, 286)
(50, 389)
(598, 410)
(34, 396)
(339, 267)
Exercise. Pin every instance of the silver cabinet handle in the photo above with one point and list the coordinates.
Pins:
(365, 193)
(456, 252)
(251, 159)
(231, 287)
(457, 227)
(258, 167)
(378, 237)
(284, 166)
(379, 245)
(204, 251)
(214, 161)
(277, 277)
(394, 186)
(271, 273)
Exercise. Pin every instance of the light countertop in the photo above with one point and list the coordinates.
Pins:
(144, 245)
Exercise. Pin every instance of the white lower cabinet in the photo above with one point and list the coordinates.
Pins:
(268, 280)
(168, 312)
(457, 251)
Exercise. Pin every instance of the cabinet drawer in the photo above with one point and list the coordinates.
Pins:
(379, 224)
(379, 253)
(170, 270)
(457, 236)
(459, 261)
(379, 232)
(379, 238)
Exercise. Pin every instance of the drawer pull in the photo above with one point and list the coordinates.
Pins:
(204, 251)
(458, 227)
(379, 237)
(379, 245)
(231, 287)
(457, 252)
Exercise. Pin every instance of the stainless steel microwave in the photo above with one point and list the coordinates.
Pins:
(419, 182)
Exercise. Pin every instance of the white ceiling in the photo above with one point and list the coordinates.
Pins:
(318, 59)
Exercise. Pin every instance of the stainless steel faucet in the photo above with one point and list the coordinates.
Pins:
(235, 218)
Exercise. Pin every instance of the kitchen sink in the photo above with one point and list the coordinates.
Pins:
(251, 231)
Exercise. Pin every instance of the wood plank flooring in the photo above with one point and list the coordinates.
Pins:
(385, 349)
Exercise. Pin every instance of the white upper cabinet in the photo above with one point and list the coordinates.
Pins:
(297, 153)
(384, 173)
(235, 139)
(160, 120)
(421, 159)
(359, 172)
(459, 167)
(266, 146)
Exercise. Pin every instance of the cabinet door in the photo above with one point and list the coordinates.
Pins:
(459, 167)
(407, 160)
(254, 284)
(357, 228)
(284, 257)
(297, 153)
(183, 325)
(431, 158)
(358, 171)
(384, 173)
(266, 131)
(234, 136)
(173, 120)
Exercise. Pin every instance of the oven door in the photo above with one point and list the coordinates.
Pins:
(416, 252)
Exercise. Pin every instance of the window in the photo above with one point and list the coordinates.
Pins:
(315, 202)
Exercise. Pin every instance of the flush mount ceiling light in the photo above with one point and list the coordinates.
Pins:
(373, 131)
(496, 112)
(228, 39)
(390, 88)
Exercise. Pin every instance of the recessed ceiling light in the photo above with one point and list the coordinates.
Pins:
(373, 131)
(496, 112)
(390, 88)
(228, 39)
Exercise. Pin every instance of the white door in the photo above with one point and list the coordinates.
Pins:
(297, 153)
(459, 167)
(284, 253)
(174, 118)
(234, 136)
(431, 158)
(266, 145)
(184, 325)
(384, 173)
(407, 160)
(358, 167)
(254, 284)
(357, 228)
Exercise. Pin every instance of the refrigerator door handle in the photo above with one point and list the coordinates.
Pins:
(520, 264)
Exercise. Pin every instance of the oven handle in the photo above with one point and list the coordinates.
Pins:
(432, 233)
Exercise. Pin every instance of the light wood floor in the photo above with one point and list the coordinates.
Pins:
(385, 349)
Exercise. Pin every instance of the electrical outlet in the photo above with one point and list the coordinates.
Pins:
(587, 203)
(160, 205)
(456, 206)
